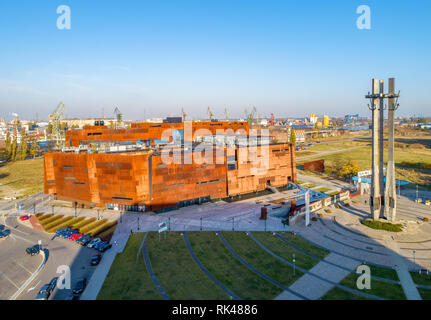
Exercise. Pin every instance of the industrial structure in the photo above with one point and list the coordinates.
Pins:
(148, 166)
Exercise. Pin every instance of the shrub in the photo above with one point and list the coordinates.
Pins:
(87, 228)
(102, 228)
(328, 210)
(45, 222)
(426, 219)
(355, 201)
(44, 216)
(82, 223)
(57, 222)
(314, 219)
(320, 215)
(107, 234)
(379, 225)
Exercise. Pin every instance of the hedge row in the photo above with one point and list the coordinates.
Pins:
(107, 234)
(45, 222)
(82, 223)
(50, 227)
(44, 216)
(92, 226)
(379, 225)
(102, 228)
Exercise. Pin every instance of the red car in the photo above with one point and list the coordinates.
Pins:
(75, 236)
(23, 218)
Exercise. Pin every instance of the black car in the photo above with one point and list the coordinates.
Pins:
(95, 259)
(80, 286)
(53, 283)
(44, 292)
(84, 240)
(33, 250)
(4, 233)
(104, 247)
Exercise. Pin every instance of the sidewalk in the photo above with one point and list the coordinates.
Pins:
(118, 241)
(314, 288)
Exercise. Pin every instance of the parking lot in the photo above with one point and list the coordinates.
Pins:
(16, 267)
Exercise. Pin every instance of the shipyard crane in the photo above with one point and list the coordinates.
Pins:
(226, 114)
(256, 113)
(184, 115)
(55, 119)
(210, 114)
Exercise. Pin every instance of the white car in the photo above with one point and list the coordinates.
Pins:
(93, 242)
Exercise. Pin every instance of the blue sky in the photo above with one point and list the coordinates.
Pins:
(154, 57)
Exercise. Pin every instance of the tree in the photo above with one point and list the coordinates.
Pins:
(292, 138)
(34, 149)
(23, 146)
(346, 169)
(8, 146)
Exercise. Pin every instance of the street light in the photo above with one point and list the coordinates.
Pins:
(98, 214)
(201, 223)
(233, 223)
(414, 256)
(293, 255)
(138, 222)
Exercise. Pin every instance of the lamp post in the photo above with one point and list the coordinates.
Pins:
(414, 256)
(75, 208)
(201, 223)
(34, 208)
(52, 209)
(233, 223)
(293, 255)
(138, 222)
(98, 214)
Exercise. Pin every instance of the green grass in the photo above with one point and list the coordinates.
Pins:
(304, 245)
(323, 189)
(379, 225)
(379, 288)
(340, 294)
(128, 277)
(421, 278)
(177, 272)
(285, 251)
(212, 253)
(425, 293)
(309, 185)
(24, 177)
(260, 259)
(386, 273)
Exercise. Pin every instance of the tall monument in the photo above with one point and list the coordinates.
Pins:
(383, 197)
(381, 148)
(375, 176)
(390, 191)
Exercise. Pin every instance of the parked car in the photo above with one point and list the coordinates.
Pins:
(84, 240)
(67, 234)
(33, 250)
(99, 244)
(77, 237)
(61, 231)
(53, 283)
(95, 259)
(73, 236)
(44, 292)
(24, 217)
(105, 247)
(4, 233)
(80, 286)
(93, 242)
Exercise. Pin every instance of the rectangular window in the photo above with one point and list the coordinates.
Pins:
(121, 198)
(67, 166)
(80, 183)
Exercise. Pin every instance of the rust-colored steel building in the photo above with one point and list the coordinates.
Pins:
(144, 180)
(147, 131)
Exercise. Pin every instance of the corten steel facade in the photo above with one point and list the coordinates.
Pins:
(143, 179)
(145, 131)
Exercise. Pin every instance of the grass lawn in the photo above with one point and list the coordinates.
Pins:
(24, 177)
(378, 288)
(212, 253)
(128, 278)
(323, 189)
(260, 259)
(285, 251)
(304, 245)
(386, 273)
(177, 272)
(424, 279)
(425, 293)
